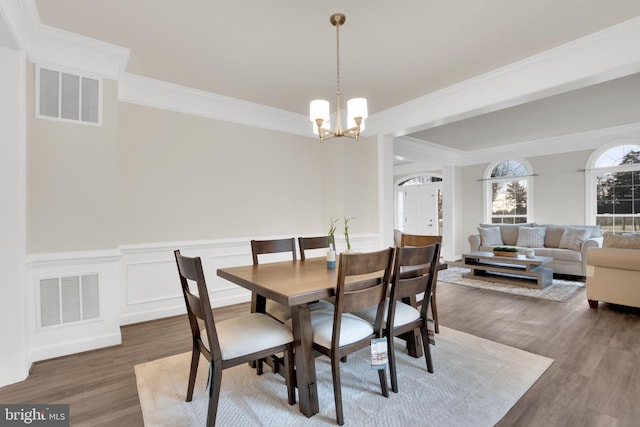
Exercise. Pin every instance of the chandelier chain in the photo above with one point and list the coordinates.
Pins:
(338, 56)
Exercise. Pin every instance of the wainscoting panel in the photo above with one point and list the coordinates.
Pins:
(78, 301)
(150, 278)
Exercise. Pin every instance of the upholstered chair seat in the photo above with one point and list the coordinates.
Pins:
(404, 314)
(248, 334)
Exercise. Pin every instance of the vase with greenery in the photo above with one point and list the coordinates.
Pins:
(346, 232)
(332, 230)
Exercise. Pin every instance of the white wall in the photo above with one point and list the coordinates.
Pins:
(72, 179)
(14, 364)
(559, 188)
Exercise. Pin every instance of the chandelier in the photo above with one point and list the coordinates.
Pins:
(319, 110)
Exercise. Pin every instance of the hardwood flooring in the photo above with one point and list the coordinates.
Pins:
(594, 381)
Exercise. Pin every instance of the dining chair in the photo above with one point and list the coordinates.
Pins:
(421, 240)
(363, 280)
(263, 247)
(414, 270)
(310, 243)
(272, 308)
(230, 342)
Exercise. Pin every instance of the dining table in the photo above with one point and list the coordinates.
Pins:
(297, 284)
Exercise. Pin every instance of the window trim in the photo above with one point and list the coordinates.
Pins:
(488, 180)
(60, 71)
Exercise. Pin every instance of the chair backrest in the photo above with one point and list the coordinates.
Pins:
(259, 247)
(198, 306)
(414, 272)
(418, 240)
(363, 281)
(308, 243)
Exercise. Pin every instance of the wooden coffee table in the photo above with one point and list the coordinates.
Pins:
(520, 270)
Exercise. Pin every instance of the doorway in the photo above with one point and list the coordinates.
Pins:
(419, 206)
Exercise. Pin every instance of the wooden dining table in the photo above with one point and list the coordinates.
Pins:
(295, 284)
(298, 284)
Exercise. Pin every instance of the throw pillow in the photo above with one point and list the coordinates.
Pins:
(573, 237)
(531, 237)
(490, 236)
(509, 232)
(553, 235)
(621, 242)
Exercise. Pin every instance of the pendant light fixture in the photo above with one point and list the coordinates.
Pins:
(319, 110)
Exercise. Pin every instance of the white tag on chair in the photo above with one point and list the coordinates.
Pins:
(379, 355)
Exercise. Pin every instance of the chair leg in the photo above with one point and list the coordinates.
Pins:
(195, 358)
(382, 374)
(392, 364)
(426, 346)
(337, 389)
(434, 311)
(290, 374)
(214, 394)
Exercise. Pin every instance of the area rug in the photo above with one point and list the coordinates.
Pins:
(476, 381)
(559, 290)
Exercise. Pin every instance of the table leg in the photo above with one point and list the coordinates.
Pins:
(258, 305)
(305, 360)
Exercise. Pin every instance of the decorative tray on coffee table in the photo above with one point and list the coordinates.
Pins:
(505, 251)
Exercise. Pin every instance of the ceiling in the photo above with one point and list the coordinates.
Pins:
(282, 53)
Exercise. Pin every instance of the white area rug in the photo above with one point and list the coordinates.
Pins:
(476, 381)
(559, 290)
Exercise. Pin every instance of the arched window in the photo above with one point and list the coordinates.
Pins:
(614, 183)
(508, 192)
(422, 179)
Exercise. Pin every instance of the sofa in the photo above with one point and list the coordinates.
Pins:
(566, 244)
(613, 271)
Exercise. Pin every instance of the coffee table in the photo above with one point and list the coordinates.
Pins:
(519, 270)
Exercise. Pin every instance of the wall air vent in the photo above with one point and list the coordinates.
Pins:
(68, 97)
(69, 299)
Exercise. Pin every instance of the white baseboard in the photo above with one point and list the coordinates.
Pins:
(75, 346)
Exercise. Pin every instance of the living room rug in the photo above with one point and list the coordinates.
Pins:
(559, 290)
(476, 381)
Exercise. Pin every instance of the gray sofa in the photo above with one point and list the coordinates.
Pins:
(567, 245)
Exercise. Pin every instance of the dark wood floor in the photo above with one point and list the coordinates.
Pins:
(594, 381)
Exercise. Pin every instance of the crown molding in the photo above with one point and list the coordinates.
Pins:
(425, 153)
(141, 90)
(56, 48)
(580, 141)
(18, 17)
(598, 57)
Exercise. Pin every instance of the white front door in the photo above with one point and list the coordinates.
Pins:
(418, 209)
